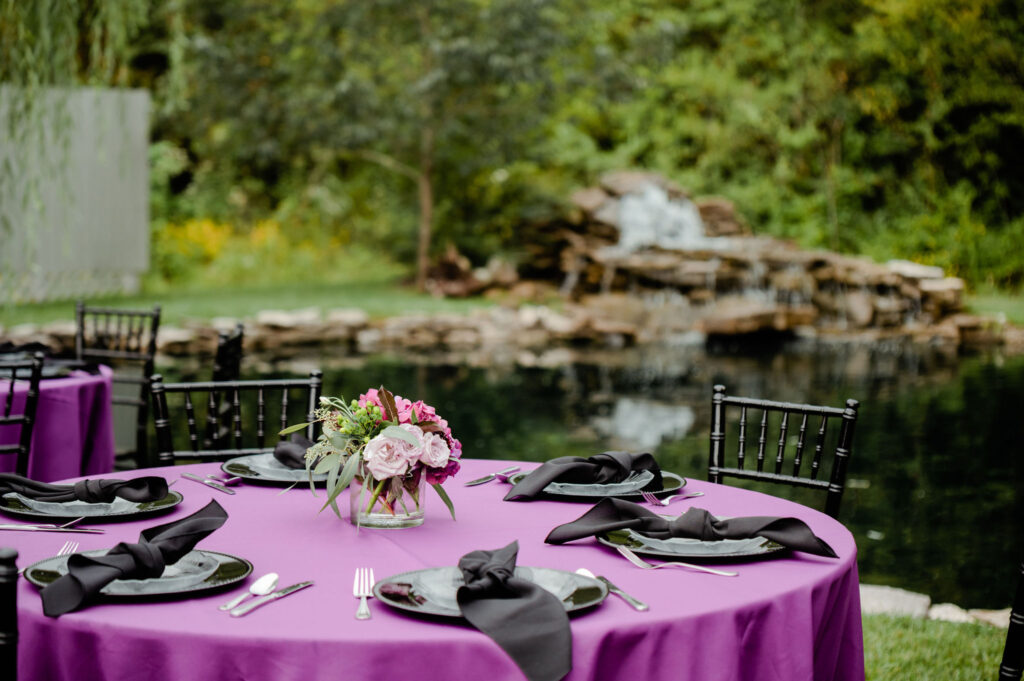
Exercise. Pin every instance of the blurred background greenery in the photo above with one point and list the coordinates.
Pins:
(311, 140)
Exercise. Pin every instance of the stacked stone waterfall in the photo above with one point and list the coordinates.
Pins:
(639, 234)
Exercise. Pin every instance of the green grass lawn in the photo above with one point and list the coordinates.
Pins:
(907, 649)
(379, 299)
(993, 303)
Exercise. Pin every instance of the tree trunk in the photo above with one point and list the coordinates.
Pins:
(425, 185)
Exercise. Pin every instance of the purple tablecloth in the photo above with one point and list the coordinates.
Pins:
(74, 432)
(791, 618)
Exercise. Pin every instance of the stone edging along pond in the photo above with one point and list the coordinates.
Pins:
(597, 321)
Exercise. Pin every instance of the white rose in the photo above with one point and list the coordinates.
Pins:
(388, 457)
(434, 452)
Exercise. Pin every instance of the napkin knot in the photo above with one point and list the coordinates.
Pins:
(291, 453)
(148, 559)
(92, 491)
(487, 577)
(696, 523)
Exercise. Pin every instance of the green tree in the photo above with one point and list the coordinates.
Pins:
(434, 91)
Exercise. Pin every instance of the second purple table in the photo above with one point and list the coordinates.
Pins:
(74, 432)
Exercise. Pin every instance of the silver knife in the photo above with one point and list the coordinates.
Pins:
(492, 476)
(280, 593)
(208, 483)
(38, 528)
(635, 602)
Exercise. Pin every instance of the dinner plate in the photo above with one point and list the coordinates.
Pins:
(198, 570)
(16, 505)
(431, 591)
(694, 550)
(266, 469)
(671, 483)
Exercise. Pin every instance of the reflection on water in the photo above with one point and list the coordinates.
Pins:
(934, 485)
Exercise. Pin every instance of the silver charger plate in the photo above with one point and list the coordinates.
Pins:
(265, 468)
(18, 506)
(694, 550)
(438, 586)
(198, 570)
(629, 489)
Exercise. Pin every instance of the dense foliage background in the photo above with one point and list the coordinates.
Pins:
(893, 128)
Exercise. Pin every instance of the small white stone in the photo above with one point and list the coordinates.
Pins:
(887, 600)
(948, 612)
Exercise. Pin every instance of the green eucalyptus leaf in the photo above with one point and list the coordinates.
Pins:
(400, 434)
(288, 487)
(338, 480)
(328, 462)
(339, 440)
(444, 497)
(296, 428)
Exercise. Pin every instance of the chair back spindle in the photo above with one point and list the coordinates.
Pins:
(788, 414)
(249, 405)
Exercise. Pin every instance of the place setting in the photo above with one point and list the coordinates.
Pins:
(524, 609)
(283, 467)
(89, 500)
(694, 535)
(613, 474)
(164, 563)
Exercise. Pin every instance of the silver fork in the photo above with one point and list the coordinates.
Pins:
(641, 563)
(651, 498)
(66, 550)
(362, 588)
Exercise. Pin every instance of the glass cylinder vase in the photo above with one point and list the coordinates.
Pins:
(391, 503)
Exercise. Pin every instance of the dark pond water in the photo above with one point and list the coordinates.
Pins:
(934, 494)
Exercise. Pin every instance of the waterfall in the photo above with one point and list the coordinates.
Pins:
(650, 218)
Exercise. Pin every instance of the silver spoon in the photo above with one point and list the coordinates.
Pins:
(261, 587)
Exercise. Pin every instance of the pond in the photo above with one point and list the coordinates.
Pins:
(934, 489)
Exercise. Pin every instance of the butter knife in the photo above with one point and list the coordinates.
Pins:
(39, 528)
(280, 593)
(635, 602)
(492, 476)
(208, 483)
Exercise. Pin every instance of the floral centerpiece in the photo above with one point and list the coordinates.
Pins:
(387, 449)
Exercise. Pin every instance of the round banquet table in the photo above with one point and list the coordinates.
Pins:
(74, 431)
(792, 617)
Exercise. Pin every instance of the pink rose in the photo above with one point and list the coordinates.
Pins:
(388, 457)
(434, 451)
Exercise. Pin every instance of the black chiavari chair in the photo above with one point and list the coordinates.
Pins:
(227, 363)
(8, 613)
(125, 340)
(227, 366)
(257, 408)
(1012, 666)
(807, 424)
(11, 372)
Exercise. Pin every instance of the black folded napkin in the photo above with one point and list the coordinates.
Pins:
(149, 488)
(158, 546)
(617, 514)
(600, 469)
(526, 620)
(292, 452)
